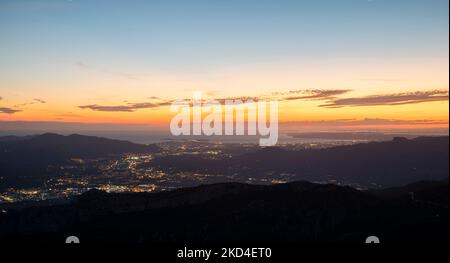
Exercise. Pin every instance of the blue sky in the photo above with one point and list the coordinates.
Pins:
(196, 35)
(64, 60)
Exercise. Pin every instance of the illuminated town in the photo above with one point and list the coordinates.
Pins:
(139, 173)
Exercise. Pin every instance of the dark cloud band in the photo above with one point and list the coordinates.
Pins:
(390, 99)
(8, 110)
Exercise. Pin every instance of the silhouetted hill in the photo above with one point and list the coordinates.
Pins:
(30, 155)
(71, 146)
(292, 213)
(24, 161)
(12, 138)
(424, 191)
(388, 163)
(370, 136)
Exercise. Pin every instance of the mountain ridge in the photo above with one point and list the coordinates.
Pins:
(28, 157)
(292, 213)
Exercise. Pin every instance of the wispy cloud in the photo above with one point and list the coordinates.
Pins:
(129, 107)
(8, 110)
(305, 94)
(390, 99)
(330, 96)
(82, 65)
(367, 122)
(380, 121)
(312, 94)
(40, 101)
(156, 102)
(381, 79)
(115, 108)
(34, 101)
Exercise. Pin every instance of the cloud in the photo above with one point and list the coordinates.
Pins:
(155, 103)
(40, 101)
(315, 94)
(129, 107)
(390, 99)
(96, 107)
(8, 110)
(370, 121)
(330, 96)
(380, 121)
(159, 102)
(24, 104)
(82, 65)
(381, 79)
(242, 99)
(367, 125)
(30, 103)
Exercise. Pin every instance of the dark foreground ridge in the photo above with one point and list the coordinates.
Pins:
(233, 213)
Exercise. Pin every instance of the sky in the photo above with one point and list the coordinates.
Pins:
(357, 63)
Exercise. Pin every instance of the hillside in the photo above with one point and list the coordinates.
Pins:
(293, 213)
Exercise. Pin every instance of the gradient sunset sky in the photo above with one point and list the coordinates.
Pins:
(383, 63)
